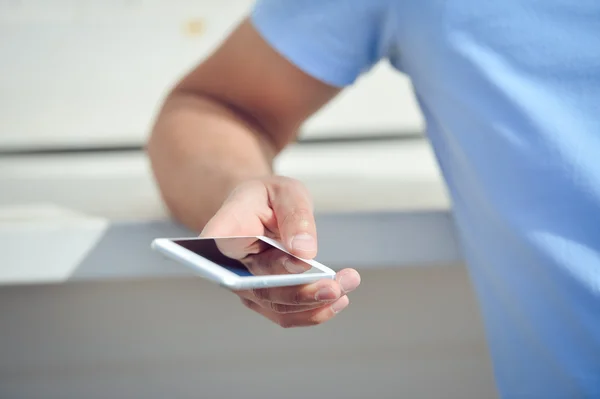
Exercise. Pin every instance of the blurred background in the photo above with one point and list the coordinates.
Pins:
(80, 84)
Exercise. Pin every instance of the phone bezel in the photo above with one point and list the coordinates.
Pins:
(219, 275)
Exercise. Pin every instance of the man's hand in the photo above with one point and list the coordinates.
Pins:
(281, 208)
(224, 123)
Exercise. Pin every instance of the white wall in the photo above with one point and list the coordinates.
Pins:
(85, 73)
(396, 176)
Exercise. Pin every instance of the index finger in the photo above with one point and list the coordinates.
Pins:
(239, 247)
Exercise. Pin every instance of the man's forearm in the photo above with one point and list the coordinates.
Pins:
(200, 150)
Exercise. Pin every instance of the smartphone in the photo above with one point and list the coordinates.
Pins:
(267, 265)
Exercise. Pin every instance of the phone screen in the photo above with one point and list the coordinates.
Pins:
(264, 258)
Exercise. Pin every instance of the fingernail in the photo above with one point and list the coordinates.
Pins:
(347, 284)
(325, 294)
(292, 266)
(340, 304)
(304, 242)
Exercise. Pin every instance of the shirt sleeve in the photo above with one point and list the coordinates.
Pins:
(334, 41)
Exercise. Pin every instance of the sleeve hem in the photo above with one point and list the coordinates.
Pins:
(304, 56)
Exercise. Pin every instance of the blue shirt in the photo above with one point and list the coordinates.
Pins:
(510, 91)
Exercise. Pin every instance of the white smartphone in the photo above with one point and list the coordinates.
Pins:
(269, 264)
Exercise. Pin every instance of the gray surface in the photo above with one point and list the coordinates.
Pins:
(360, 240)
(409, 332)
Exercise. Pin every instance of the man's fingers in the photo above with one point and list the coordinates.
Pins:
(321, 291)
(280, 206)
(278, 307)
(348, 279)
(301, 319)
(294, 213)
(298, 306)
(273, 261)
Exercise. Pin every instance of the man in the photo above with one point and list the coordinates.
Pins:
(511, 94)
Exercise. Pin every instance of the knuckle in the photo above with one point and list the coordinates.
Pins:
(299, 216)
(260, 293)
(296, 297)
(246, 185)
(285, 181)
(243, 190)
(279, 308)
(287, 184)
(236, 192)
(295, 185)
